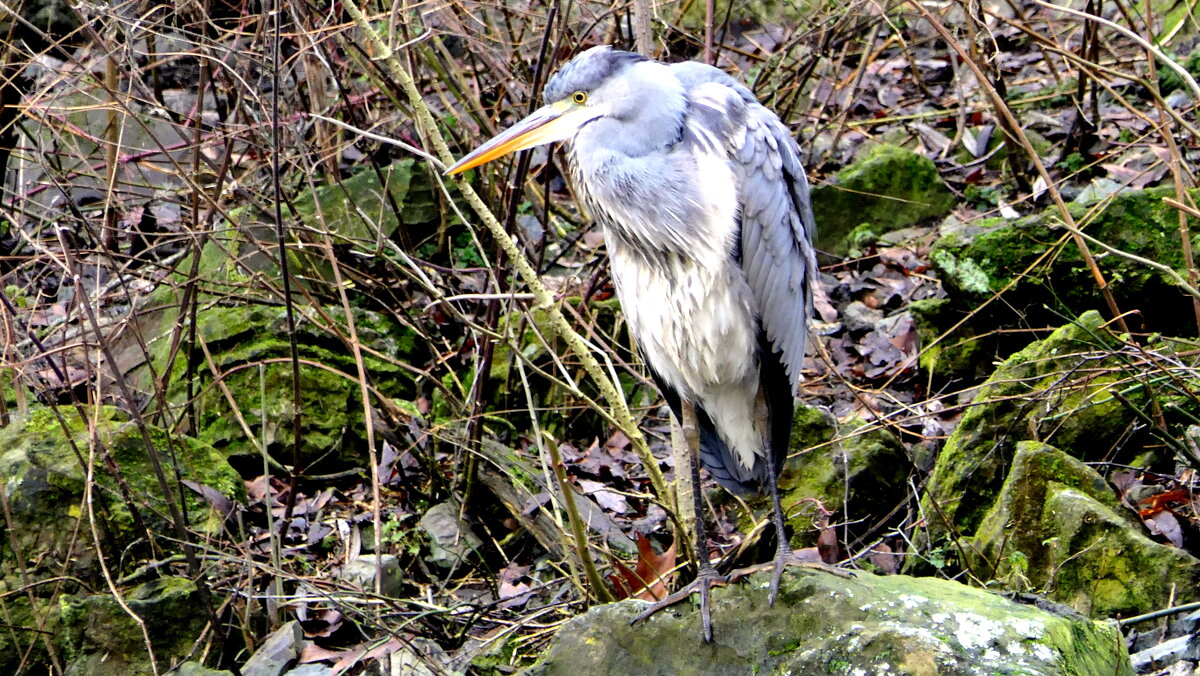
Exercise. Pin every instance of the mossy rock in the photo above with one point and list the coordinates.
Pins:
(978, 262)
(102, 640)
(891, 188)
(359, 208)
(359, 213)
(1040, 392)
(1057, 528)
(823, 624)
(45, 482)
(254, 331)
(239, 338)
(866, 465)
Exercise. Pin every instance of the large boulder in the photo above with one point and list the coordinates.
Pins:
(1057, 526)
(1068, 389)
(824, 624)
(43, 459)
(43, 462)
(251, 402)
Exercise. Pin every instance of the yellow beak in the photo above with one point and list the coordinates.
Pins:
(554, 122)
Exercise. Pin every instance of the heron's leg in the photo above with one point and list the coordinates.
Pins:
(784, 556)
(783, 549)
(707, 576)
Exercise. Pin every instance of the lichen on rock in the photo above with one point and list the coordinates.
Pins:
(823, 624)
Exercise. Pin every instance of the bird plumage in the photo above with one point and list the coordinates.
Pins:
(706, 212)
(705, 208)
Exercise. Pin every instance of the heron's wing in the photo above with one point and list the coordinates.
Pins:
(776, 235)
(775, 246)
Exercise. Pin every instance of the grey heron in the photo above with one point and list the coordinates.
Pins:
(708, 224)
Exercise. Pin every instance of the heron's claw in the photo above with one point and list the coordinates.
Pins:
(783, 557)
(784, 560)
(704, 582)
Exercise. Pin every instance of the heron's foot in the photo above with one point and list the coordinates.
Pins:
(704, 582)
(784, 558)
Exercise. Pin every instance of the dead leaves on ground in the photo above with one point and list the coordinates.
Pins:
(651, 577)
(1169, 508)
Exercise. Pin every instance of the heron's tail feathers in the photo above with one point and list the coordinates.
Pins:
(731, 448)
(722, 463)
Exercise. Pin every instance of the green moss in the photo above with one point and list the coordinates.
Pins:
(500, 660)
(967, 274)
(1104, 567)
(988, 258)
(43, 466)
(863, 235)
(1035, 469)
(891, 188)
(1016, 403)
(358, 210)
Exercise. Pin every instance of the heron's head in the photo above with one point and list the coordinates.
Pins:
(596, 84)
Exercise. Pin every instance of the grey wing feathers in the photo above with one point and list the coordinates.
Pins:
(776, 214)
(777, 231)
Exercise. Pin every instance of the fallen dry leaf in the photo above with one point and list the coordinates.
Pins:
(605, 496)
(885, 559)
(1166, 525)
(311, 652)
(649, 579)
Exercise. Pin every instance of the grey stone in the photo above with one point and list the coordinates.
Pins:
(280, 649)
(1184, 624)
(857, 317)
(451, 539)
(1167, 653)
(824, 624)
(360, 572)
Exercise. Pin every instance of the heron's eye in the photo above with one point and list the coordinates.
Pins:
(579, 98)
